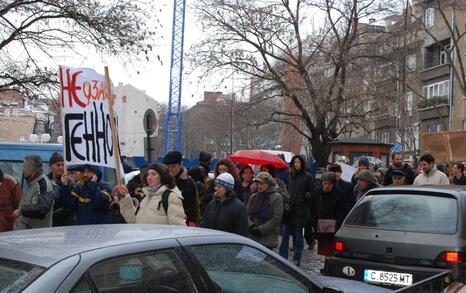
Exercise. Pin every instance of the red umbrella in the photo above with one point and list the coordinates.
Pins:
(258, 157)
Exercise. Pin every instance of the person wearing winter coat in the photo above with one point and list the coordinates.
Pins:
(265, 210)
(226, 212)
(10, 196)
(328, 212)
(36, 205)
(366, 182)
(151, 210)
(430, 175)
(300, 189)
(174, 161)
(458, 175)
(246, 175)
(345, 186)
(397, 164)
(90, 199)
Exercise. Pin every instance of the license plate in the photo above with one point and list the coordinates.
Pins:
(391, 278)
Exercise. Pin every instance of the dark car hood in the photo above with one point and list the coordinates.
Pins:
(348, 286)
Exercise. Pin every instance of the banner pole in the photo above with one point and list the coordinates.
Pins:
(116, 147)
(62, 105)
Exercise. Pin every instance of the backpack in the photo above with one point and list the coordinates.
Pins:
(163, 202)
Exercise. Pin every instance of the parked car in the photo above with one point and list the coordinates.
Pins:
(149, 258)
(397, 236)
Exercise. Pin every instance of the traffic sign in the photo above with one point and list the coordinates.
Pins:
(397, 148)
(150, 122)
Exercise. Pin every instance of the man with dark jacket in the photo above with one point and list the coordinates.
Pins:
(226, 212)
(10, 196)
(328, 203)
(61, 215)
(300, 188)
(346, 187)
(35, 208)
(90, 199)
(187, 186)
(136, 184)
(397, 164)
(366, 182)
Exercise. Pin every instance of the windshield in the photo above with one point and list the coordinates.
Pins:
(15, 276)
(406, 212)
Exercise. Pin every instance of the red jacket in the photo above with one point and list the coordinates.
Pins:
(10, 195)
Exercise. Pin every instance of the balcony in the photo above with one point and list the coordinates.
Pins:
(434, 72)
(433, 108)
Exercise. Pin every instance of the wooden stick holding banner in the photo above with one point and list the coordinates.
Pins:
(116, 147)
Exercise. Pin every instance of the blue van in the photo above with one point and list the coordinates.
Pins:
(12, 155)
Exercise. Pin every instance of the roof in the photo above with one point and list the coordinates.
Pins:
(359, 140)
(456, 190)
(47, 246)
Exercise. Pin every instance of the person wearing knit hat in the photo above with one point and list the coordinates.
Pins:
(366, 182)
(35, 208)
(226, 212)
(89, 199)
(265, 210)
(187, 186)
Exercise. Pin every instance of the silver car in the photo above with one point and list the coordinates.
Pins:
(149, 258)
(397, 236)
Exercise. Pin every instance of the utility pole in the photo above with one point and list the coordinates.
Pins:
(452, 67)
(232, 126)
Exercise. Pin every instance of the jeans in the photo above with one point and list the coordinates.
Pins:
(298, 240)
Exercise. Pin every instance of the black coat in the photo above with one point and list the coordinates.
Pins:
(328, 205)
(300, 188)
(228, 216)
(348, 191)
(188, 189)
(410, 175)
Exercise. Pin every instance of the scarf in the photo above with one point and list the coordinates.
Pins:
(261, 207)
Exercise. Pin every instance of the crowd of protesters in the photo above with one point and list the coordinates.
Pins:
(261, 206)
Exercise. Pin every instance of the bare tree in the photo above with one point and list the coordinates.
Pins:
(31, 30)
(274, 41)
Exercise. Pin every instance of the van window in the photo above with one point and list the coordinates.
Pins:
(406, 212)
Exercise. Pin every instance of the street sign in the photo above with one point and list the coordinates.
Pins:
(150, 122)
(397, 148)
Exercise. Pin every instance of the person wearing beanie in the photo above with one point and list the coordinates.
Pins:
(366, 182)
(10, 196)
(226, 212)
(174, 161)
(89, 199)
(205, 160)
(265, 211)
(328, 212)
(300, 189)
(161, 203)
(430, 175)
(398, 177)
(397, 164)
(61, 215)
(35, 208)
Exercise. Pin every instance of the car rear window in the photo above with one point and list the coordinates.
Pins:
(406, 212)
(15, 276)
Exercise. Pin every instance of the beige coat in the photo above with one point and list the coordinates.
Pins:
(434, 177)
(148, 212)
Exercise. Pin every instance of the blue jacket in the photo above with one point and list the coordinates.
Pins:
(91, 201)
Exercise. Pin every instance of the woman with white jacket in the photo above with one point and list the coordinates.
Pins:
(152, 209)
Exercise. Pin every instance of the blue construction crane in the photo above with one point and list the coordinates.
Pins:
(173, 123)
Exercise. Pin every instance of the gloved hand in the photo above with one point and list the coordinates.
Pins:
(254, 230)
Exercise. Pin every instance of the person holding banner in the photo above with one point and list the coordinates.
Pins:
(162, 202)
(90, 198)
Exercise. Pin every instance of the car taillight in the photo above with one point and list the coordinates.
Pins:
(339, 246)
(452, 257)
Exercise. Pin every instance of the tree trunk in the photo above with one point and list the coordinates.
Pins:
(320, 150)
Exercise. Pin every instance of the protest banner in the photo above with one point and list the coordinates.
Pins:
(89, 132)
(445, 146)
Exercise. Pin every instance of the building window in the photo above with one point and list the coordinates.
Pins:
(434, 127)
(411, 62)
(429, 17)
(443, 54)
(439, 89)
(409, 103)
(385, 138)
